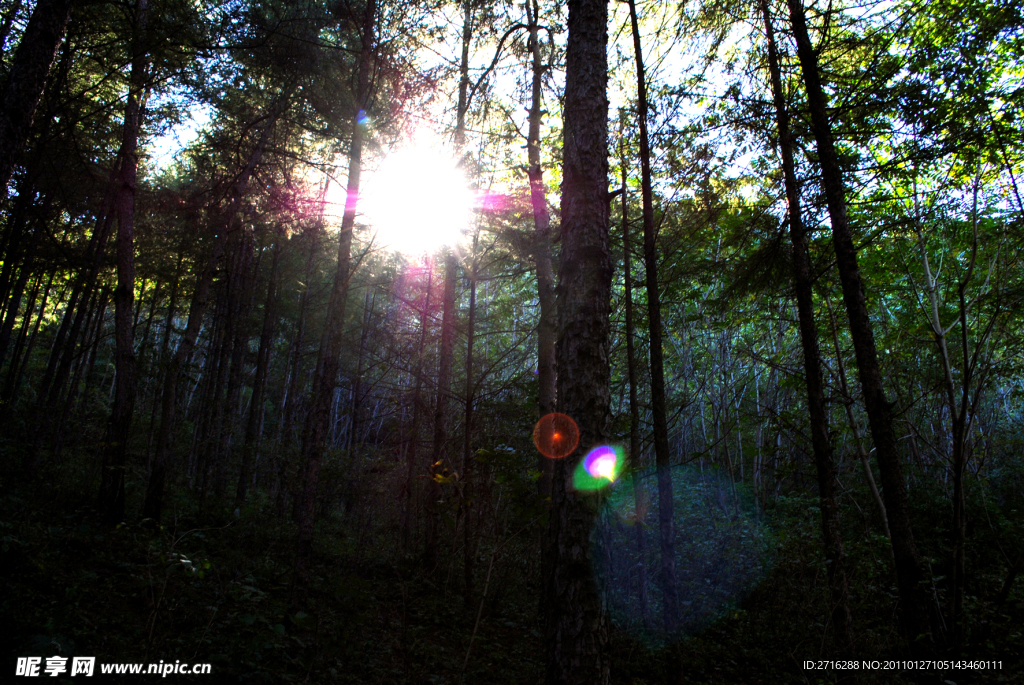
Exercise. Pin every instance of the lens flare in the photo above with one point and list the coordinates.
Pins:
(601, 463)
(723, 550)
(556, 436)
(600, 468)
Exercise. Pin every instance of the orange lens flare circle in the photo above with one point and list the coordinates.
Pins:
(556, 436)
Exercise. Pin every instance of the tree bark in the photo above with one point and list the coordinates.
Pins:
(576, 629)
(917, 618)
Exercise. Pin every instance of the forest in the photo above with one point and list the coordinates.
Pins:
(512, 341)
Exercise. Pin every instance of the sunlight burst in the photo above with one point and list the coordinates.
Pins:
(417, 200)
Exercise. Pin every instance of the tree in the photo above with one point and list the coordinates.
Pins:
(27, 78)
(666, 517)
(547, 375)
(915, 613)
(816, 404)
(576, 632)
(314, 436)
(111, 498)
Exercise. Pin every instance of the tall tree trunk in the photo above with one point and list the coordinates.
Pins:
(115, 460)
(820, 441)
(291, 399)
(639, 492)
(854, 424)
(239, 303)
(165, 346)
(916, 615)
(19, 290)
(168, 401)
(469, 546)
(26, 80)
(62, 354)
(315, 431)
(16, 371)
(961, 410)
(446, 354)
(577, 634)
(412, 444)
(547, 329)
(444, 388)
(666, 525)
(259, 384)
(19, 343)
(369, 301)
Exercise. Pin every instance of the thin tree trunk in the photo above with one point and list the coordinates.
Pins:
(19, 290)
(917, 617)
(62, 354)
(444, 387)
(821, 442)
(469, 546)
(357, 386)
(291, 399)
(168, 401)
(111, 496)
(92, 348)
(259, 383)
(239, 301)
(960, 413)
(639, 491)
(414, 436)
(14, 379)
(854, 424)
(14, 234)
(666, 525)
(315, 431)
(19, 342)
(144, 343)
(446, 354)
(165, 346)
(577, 634)
(547, 329)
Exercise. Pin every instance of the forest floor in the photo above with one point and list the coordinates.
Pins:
(219, 591)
